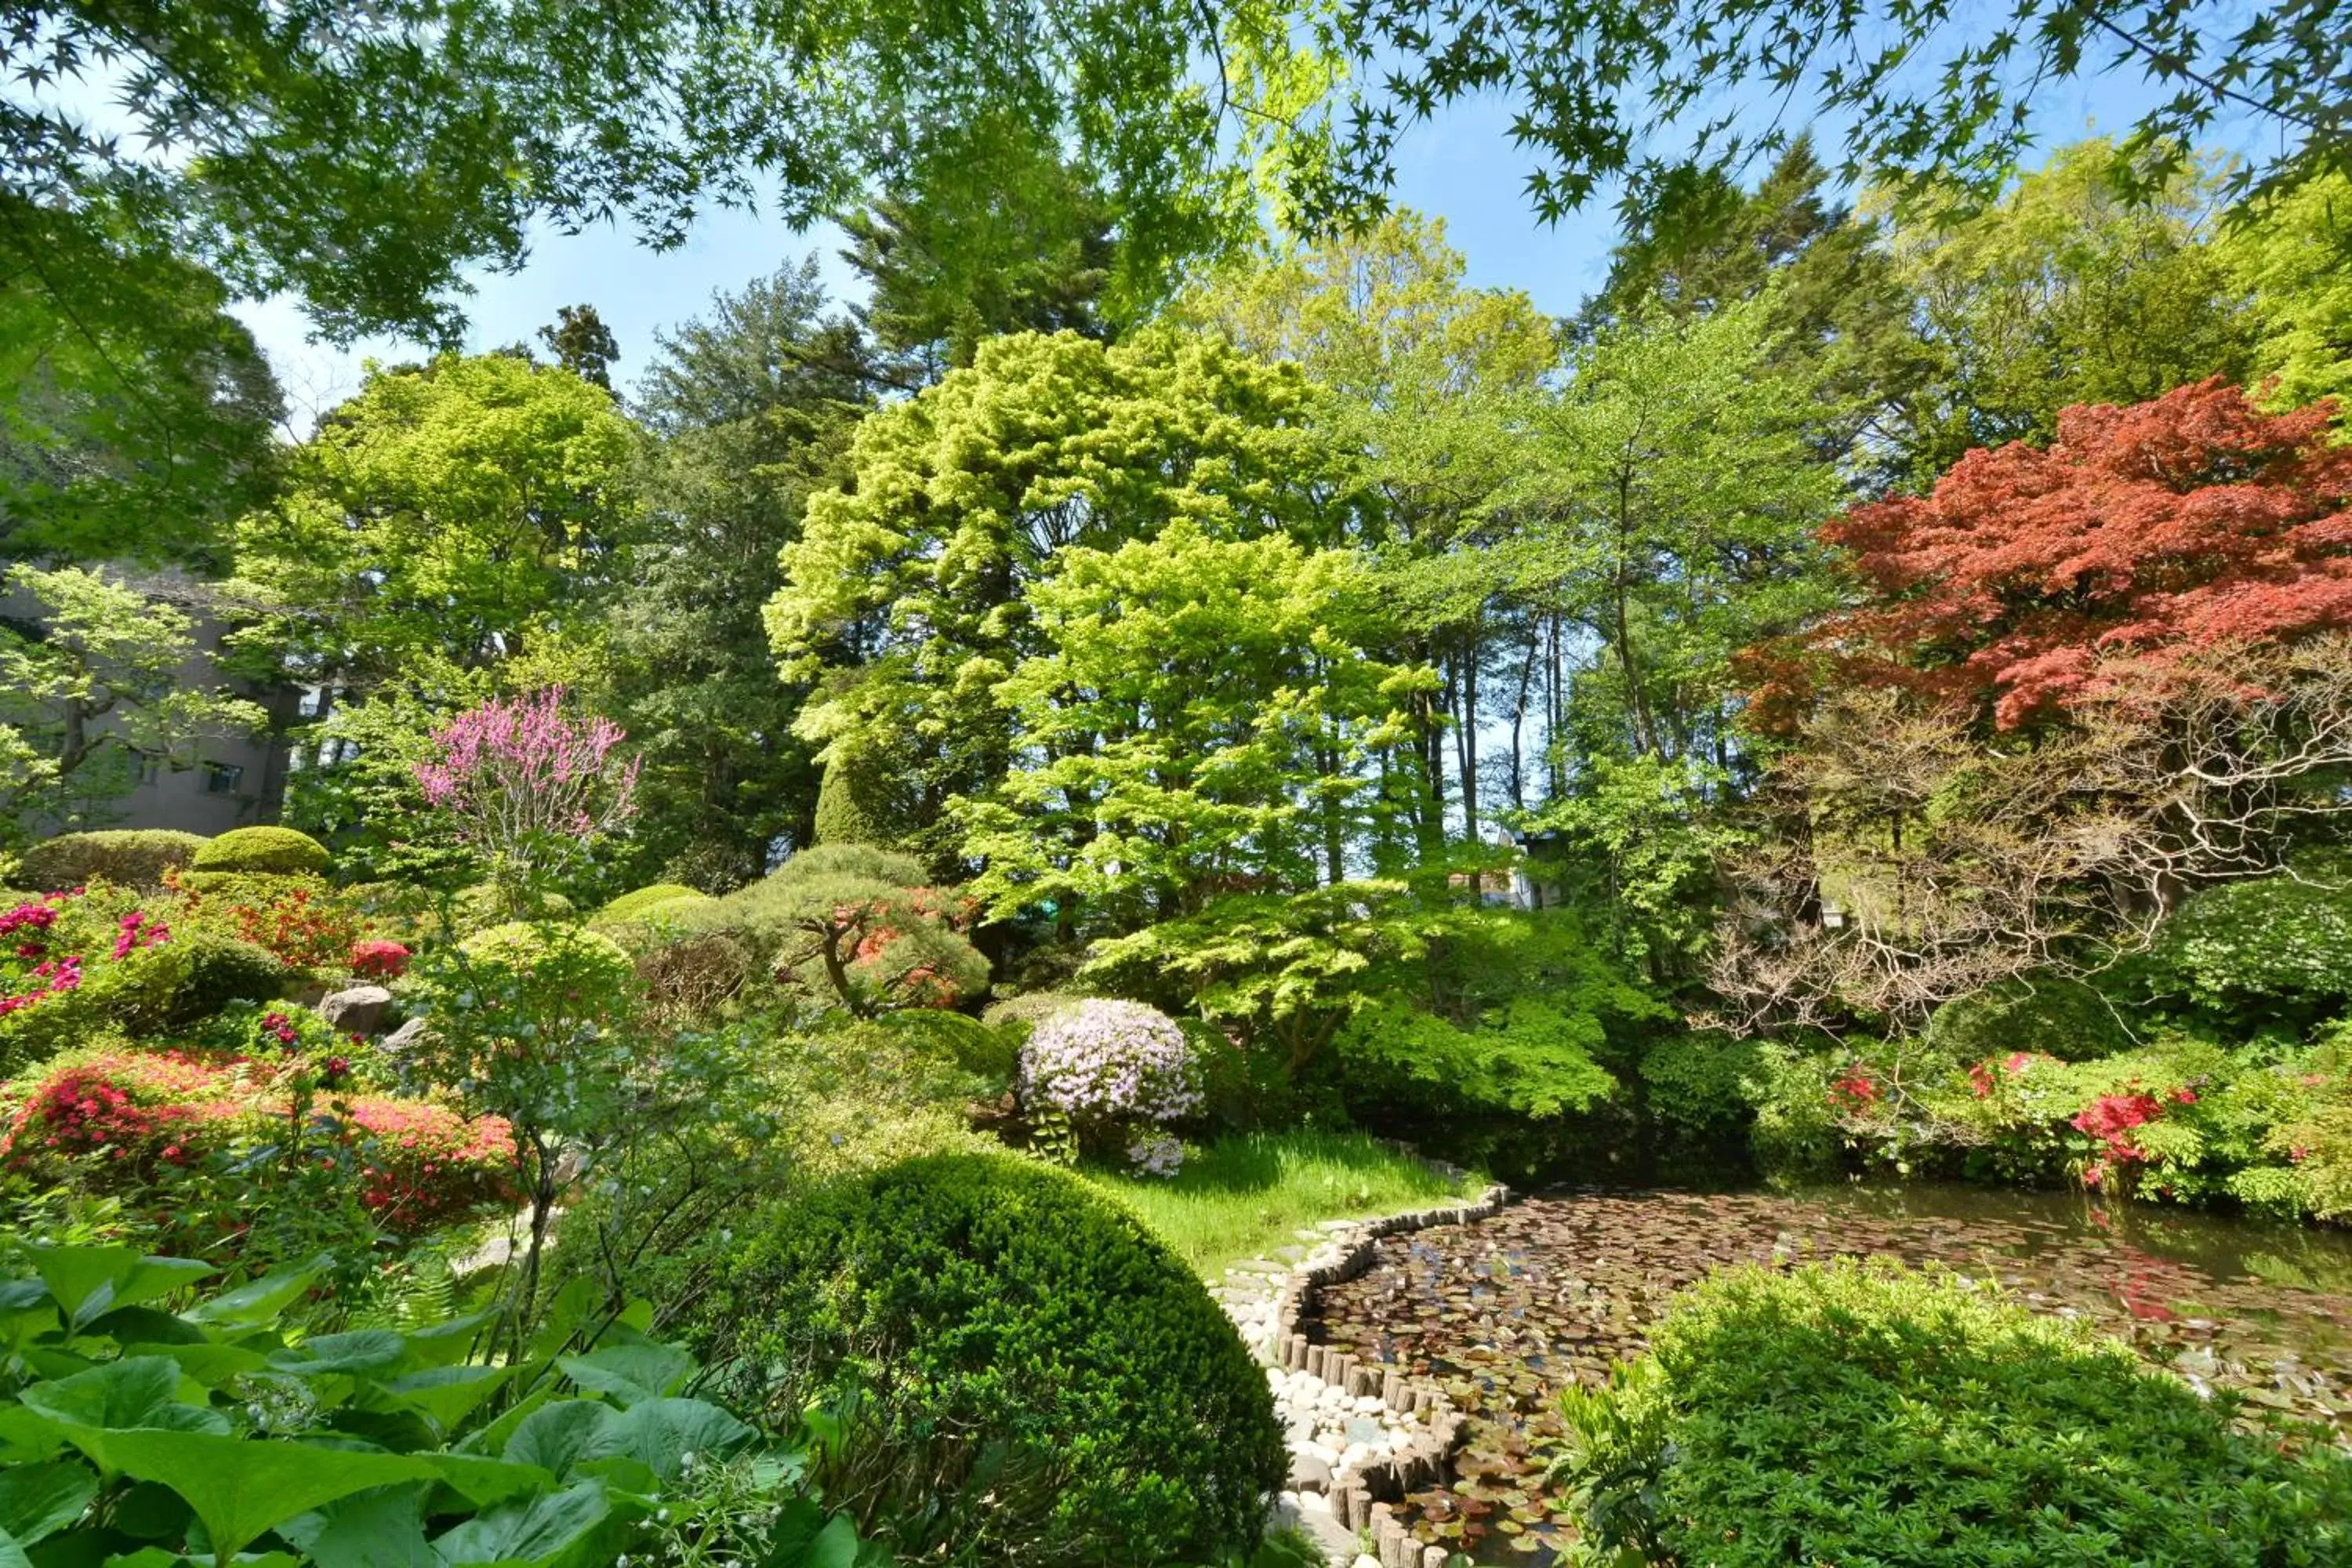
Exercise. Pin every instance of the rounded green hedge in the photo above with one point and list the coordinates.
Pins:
(221, 970)
(132, 857)
(1035, 1378)
(279, 851)
(1865, 1413)
(645, 902)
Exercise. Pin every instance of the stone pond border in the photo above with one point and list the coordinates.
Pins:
(1352, 1499)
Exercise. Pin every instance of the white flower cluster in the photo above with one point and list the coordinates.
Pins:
(1105, 1063)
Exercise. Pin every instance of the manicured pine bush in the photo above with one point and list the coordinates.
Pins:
(132, 858)
(277, 851)
(1852, 1413)
(1037, 1379)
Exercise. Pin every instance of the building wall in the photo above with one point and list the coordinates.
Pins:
(236, 782)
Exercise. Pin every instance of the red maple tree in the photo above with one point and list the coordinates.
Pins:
(2036, 580)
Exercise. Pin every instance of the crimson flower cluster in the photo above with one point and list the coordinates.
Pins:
(2112, 1118)
(379, 959)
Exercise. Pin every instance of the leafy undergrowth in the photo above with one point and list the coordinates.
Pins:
(1246, 1196)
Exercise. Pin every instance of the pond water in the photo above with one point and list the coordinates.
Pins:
(1505, 1310)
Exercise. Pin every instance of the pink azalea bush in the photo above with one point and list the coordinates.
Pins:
(1110, 1066)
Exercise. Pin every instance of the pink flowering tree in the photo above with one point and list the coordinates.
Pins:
(530, 788)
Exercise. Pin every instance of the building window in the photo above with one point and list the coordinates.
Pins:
(150, 770)
(223, 778)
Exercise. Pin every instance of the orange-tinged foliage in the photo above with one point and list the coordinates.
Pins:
(2033, 580)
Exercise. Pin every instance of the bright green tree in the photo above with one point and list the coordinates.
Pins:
(906, 597)
(2292, 260)
(1016, 239)
(1199, 719)
(1679, 496)
(2063, 293)
(92, 689)
(139, 414)
(462, 514)
(1841, 318)
(1427, 378)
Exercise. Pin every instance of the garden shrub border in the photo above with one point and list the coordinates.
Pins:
(1362, 1499)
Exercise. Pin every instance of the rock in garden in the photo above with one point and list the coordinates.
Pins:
(359, 1010)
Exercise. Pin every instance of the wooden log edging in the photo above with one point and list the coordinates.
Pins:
(1359, 1498)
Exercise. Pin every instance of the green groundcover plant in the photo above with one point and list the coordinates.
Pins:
(136, 1434)
(1852, 1413)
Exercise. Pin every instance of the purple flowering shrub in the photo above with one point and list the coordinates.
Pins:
(1117, 1072)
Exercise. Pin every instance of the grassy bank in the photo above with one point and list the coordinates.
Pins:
(1245, 1196)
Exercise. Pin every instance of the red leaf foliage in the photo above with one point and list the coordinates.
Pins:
(2036, 580)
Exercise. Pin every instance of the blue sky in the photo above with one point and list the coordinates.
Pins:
(1461, 167)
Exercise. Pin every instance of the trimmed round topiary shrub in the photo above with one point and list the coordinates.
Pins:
(1034, 1377)
(220, 969)
(277, 851)
(1866, 1412)
(646, 902)
(130, 857)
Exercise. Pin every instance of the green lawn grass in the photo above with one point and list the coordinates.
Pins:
(1245, 1196)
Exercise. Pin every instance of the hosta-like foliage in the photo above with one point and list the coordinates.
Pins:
(144, 1423)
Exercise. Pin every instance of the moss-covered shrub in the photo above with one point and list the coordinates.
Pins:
(1852, 1414)
(851, 926)
(648, 902)
(282, 851)
(1040, 1381)
(129, 857)
(2048, 1015)
(990, 1052)
(221, 970)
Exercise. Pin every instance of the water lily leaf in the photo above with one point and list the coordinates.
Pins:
(260, 1300)
(447, 1394)
(364, 1350)
(558, 1436)
(664, 1432)
(380, 1528)
(138, 1392)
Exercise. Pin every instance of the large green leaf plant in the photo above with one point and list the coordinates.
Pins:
(137, 1432)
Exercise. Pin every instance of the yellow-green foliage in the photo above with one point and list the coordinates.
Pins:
(648, 902)
(1845, 1413)
(278, 850)
(130, 857)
